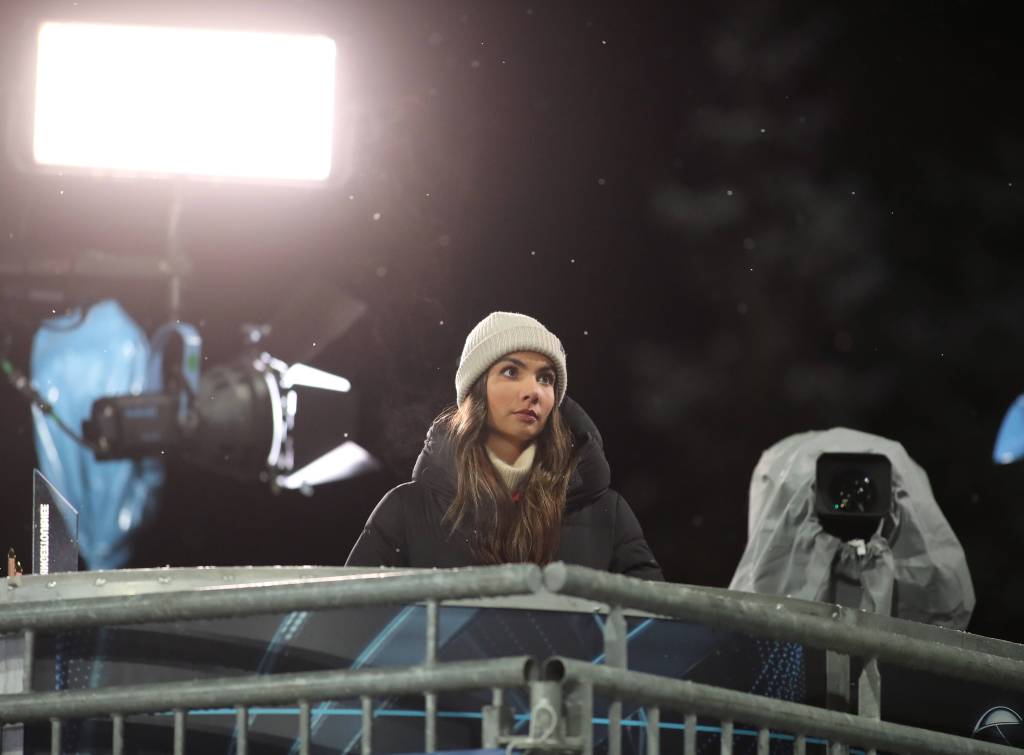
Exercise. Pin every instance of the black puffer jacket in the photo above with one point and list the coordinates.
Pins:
(599, 528)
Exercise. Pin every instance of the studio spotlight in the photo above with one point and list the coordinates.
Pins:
(175, 103)
(239, 420)
(162, 100)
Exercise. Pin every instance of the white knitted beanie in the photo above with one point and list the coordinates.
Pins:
(501, 333)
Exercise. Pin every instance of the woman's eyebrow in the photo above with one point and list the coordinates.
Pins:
(548, 367)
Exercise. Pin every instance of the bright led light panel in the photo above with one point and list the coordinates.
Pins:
(163, 100)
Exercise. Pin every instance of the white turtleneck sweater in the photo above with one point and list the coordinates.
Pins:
(515, 474)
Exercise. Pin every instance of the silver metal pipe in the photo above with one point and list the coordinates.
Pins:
(173, 250)
(179, 731)
(731, 611)
(615, 655)
(430, 721)
(615, 727)
(837, 681)
(241, 730)
(274, 689)
(430, 698)
(303, 727)
(29, 651)
(117, 734)
(653, 730)
(726, 744)
(55, 736)
(780, 715)
(690, 735)
(579, 706)
(763, 739)
(366, 746)
(869, 690)
(431, 651)
(222, 601)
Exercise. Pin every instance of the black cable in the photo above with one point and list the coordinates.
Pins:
(23, 385)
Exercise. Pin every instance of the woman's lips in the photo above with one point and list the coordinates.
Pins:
(527, 416)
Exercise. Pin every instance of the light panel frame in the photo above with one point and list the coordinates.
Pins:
(162, 101)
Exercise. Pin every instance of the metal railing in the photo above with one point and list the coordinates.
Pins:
(561, 690)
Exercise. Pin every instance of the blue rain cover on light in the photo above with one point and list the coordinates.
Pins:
(75, 361)
(1010, 441)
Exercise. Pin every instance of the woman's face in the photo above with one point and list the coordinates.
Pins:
(520, 397)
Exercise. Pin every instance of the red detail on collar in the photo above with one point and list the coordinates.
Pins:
(516, 496)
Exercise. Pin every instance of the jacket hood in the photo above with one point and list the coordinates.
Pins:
(435, 466)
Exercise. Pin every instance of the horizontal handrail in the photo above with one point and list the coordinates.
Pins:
(780, 715)
(343, 591)
(720, 609)
(731, 611)
(273, 689)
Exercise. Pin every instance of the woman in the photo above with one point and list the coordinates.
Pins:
(515, 472)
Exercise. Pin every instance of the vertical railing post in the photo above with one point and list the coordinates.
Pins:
(615, 656)
(800, 744)
(497, 720)
(547, 724)
(430, 698)
(179, 732)
(241, 730)
(366, 745)
(726, 748)
(579, 714)
(117, 734)
(690, 734)
(869, 693)
(15, 677)
(763, 740)
(30, 658)
(653, 730)
(837, 681)
(304, 727)
(837, 687)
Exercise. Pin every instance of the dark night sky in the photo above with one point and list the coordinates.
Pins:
(744, 220)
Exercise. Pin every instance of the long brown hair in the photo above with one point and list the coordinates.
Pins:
(507, 530)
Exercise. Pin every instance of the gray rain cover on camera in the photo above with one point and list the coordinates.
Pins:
(917, 572)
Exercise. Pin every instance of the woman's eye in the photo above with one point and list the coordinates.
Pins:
(509, 371)
(546, 379)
